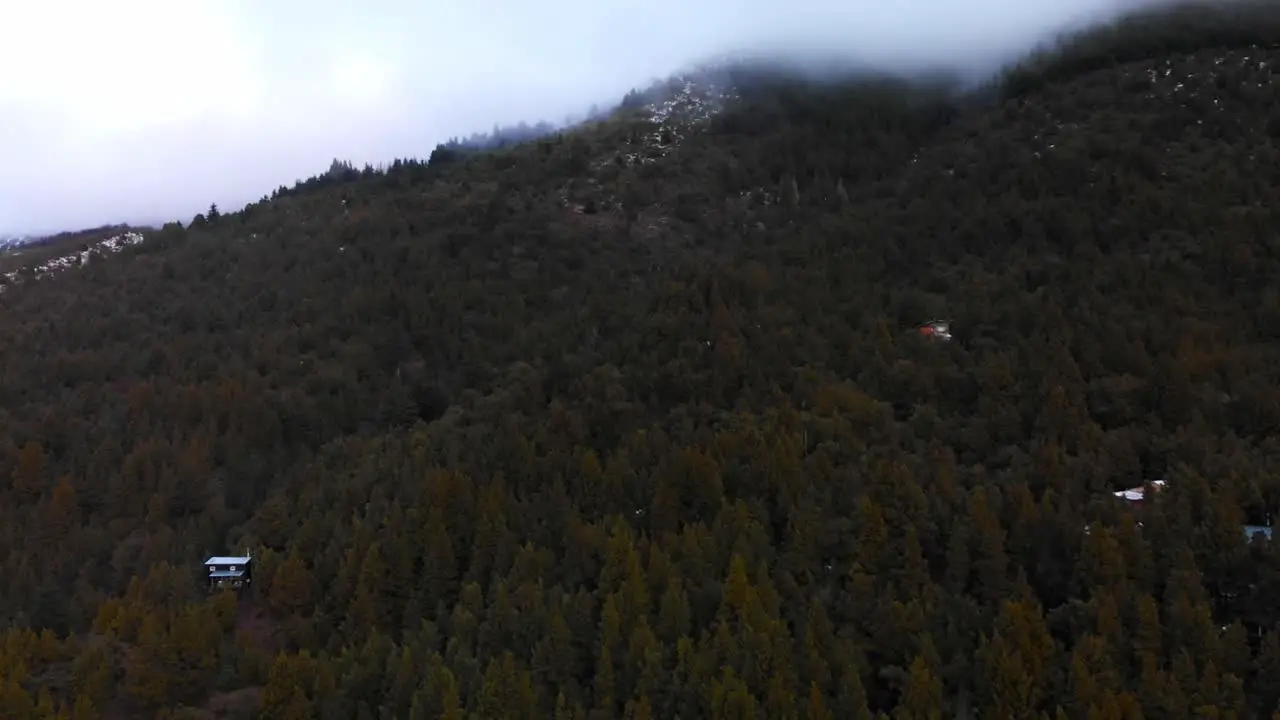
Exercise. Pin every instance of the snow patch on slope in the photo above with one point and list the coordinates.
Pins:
(53, 266)
(678, 108)
(673, 110)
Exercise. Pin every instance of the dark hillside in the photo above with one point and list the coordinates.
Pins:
(1185, 28)
(635, 421)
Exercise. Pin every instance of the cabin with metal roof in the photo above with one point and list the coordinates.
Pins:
(229, 571)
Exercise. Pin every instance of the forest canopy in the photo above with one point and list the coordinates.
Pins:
(636, 420)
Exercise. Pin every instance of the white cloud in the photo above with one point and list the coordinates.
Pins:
(129, 65)
(360, 78)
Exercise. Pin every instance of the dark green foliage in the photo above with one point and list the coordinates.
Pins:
(1185, 28)
(552, 432)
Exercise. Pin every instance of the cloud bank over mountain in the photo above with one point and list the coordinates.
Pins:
(145, 110)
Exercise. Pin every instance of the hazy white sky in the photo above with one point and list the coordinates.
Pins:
(148, 110)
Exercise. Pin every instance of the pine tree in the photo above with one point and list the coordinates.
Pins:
(922, 696)
(290, 586)
(817, 707)
(851, 700)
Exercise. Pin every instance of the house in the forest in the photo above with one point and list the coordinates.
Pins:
(229, 571)
(936, 329)
(1138, 495)
(1256, 531)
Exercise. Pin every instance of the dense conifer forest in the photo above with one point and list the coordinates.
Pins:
(582, 428)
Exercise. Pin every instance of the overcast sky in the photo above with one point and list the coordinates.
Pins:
(149, 110)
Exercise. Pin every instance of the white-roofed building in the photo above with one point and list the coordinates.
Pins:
(1138, 494)
(235, 571)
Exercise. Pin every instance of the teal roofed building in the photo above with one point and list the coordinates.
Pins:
(229, 571)
(1253, 531)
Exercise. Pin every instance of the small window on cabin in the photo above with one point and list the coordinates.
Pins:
(232, 568)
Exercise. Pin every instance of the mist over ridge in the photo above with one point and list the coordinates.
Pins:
(247, 116)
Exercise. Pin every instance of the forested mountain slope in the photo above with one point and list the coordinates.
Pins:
(557, 432)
